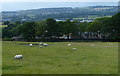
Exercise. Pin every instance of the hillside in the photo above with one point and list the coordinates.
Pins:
(59, 13)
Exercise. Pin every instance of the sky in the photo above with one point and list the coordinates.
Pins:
(15, 5)
(59, 0)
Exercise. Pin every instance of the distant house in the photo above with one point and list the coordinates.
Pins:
(23, 19)
(62, 20)
(59, 20)
(86, 20)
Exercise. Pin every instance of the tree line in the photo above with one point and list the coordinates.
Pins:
(100, 28)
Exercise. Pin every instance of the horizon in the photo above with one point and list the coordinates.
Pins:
(10, 6)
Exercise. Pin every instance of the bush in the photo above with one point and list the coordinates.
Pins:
(6, 39)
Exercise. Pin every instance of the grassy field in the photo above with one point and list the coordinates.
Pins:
(2, 26)
(0, 57)
(58, 58)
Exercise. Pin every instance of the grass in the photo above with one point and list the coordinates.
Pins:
(58, 58)
(2, 26)
(0, 58)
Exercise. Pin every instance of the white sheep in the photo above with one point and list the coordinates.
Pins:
(92, 45)
(40, 46)
(18, 57)
(74, 49)
(40, 43)
(45, 44)
(111, 44)
(30, 45)
(69, 44)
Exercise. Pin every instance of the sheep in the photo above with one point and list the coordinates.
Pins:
(45, 44)
(69, 44)
(111, 44)
(74, 49)
(18, 57)
(40, 46)
(30, 45)
(92, 45)
(40, 43)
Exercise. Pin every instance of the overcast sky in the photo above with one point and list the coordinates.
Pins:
(14, 5)
(59, 0)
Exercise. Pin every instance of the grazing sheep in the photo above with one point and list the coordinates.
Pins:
(74, 49)
(40, 46)
(30, 45)
(40, 43)
(18, 57)
(69, 44)
(111, 44)
(92, 45)
(45, 44)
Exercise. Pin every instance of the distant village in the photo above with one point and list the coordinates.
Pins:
(81, 20)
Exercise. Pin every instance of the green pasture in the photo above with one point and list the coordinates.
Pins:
(58, 58)
(2, 26)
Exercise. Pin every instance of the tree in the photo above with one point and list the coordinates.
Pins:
(41, 29)
(110, 26)
(6, 32)
(69, 28)
(82, 28)
(107, 26)
(116, 26)
(100, 27)
(28, 30)
(15, 31)
(52, 28)
(61, 27)
(94, 27)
